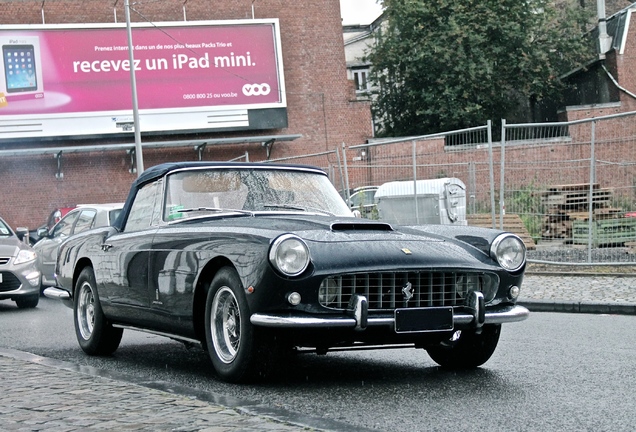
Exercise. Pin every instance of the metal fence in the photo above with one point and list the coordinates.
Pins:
(573, 185)
(568, 189)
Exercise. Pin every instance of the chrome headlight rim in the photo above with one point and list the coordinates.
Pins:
(500, 250)
(277, 254)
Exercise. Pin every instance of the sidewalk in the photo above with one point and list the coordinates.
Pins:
(43, 394)
(579, 293)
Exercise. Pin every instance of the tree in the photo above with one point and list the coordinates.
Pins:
(441, 65)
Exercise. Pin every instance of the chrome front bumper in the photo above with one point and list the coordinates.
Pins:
(357, 317)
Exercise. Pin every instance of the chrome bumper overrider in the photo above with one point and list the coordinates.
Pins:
(357, 317)
(59, 294)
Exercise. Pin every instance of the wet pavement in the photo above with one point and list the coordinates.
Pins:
(43, 394)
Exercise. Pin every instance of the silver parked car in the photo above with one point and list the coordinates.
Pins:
(19, 275)
(82, 218)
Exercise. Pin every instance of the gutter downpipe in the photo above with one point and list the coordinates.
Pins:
(604, 40)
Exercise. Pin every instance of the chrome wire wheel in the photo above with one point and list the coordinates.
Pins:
(225, 325)
(86, 311)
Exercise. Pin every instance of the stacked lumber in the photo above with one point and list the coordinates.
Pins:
(566, 204)
(557, 224)
(576, 196)
(511, 223)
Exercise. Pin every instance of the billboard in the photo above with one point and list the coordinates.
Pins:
(61, 80)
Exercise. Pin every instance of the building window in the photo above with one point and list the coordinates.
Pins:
(360, 78)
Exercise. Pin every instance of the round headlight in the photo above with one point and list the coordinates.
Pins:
(289, 255)
(509, 251)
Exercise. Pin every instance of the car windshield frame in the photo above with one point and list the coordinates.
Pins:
(223, 191)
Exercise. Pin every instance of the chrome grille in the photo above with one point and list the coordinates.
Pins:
(387, 290)
(4, 260)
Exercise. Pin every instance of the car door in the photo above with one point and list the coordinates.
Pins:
(46, 248)
(123, 266)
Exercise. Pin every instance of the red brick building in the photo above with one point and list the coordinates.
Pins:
(321, 107)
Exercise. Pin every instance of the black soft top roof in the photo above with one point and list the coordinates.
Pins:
(161, 170)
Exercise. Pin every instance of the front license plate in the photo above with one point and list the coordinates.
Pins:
(423, 319)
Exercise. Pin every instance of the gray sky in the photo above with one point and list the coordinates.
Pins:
(359, 11)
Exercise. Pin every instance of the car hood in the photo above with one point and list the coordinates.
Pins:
(373, 242)
(9, 246)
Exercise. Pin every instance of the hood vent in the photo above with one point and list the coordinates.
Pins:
(361, 226)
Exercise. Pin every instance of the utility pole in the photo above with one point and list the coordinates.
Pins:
(139, 158)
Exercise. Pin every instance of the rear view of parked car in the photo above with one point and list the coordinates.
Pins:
(362, 199)
(19, 275)
(81, 219)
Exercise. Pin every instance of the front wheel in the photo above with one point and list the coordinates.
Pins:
(471, 350)
(96, 336)
(231, 339)
(28, 302)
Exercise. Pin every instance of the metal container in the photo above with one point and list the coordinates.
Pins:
(435, 201)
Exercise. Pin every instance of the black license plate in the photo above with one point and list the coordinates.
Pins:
(423, 319)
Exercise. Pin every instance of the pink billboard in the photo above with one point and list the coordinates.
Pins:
(48, 71)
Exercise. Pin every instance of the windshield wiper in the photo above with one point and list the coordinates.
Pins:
(301, 208)
(214, 209)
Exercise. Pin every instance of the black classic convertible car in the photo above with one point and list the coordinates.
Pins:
(251, 261)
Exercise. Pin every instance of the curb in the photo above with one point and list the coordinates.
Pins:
(579, 307)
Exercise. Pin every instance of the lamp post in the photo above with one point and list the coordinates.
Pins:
(139, 158)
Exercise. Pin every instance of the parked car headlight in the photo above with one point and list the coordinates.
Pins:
(289, 255)
(24, 256)
(509, 251)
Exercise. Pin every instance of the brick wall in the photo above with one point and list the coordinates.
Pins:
(321, 101)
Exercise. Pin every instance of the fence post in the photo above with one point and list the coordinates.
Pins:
(417, 215)
(491, 170)
(590, 206)
(346, 171)
(502, 204)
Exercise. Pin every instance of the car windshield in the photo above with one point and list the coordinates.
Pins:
(246, 191)
(5, 231)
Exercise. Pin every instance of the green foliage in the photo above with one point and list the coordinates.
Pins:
(442, 65)
(526, 202)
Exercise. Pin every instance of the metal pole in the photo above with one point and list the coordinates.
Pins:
(139, 157)
(502, 204)
(590, 209)
(417, 213)
(491, 172)
(346, 172)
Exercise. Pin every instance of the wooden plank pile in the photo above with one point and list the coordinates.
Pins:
(568, 213)
(576, 197)
(511, 222)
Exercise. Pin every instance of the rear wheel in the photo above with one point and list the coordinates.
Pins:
(234, 344)
(471, 350)
(96, 336)
(28, 302)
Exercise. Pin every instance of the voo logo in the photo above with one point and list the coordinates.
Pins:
(256, 89)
